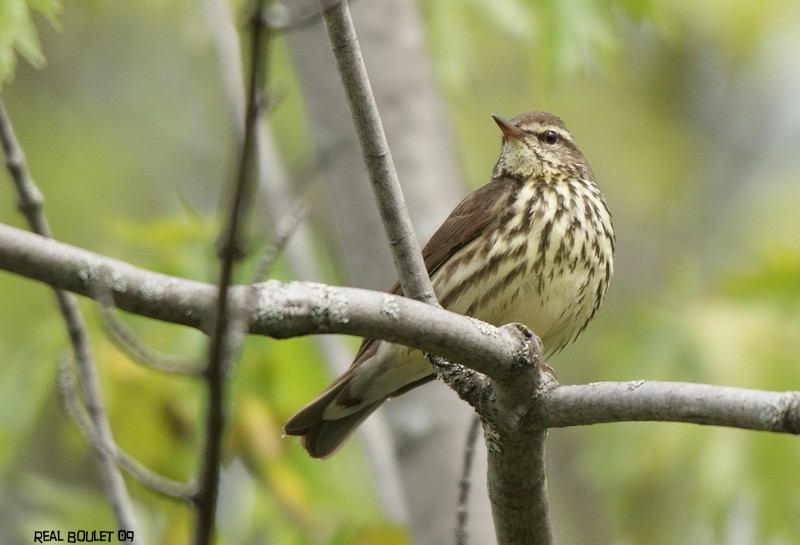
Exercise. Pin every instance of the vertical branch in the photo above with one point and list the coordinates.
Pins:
(403, 242)
(227, 332)
(520, 505)
(299, 254)
(30, 202)
(464, 485)
(392, 41)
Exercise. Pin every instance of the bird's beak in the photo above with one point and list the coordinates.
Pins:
(509, 131)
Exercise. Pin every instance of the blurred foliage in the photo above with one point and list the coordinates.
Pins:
(18, 33)
(685, 110)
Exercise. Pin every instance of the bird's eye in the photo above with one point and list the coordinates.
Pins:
(550, 137)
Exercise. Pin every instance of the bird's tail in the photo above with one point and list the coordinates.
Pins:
(321, 437)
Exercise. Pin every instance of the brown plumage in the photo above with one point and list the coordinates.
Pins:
(534, 245)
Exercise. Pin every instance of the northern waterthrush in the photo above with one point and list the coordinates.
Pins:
(534, 245)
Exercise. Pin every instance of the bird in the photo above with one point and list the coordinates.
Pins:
(535, 246)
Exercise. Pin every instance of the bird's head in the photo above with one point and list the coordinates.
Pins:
(534, 144)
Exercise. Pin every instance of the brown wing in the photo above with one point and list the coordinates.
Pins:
(471, 217)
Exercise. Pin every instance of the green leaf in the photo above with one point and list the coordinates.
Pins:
(18, 34)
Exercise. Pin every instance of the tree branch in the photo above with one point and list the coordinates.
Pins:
(520, 506)
(30, 202)
(283, 310)
(279, 310)
(150, 479)
(229, 323)
(403, 242)
(465, 483)
(125, 339)
(276, 196)
(602, 402)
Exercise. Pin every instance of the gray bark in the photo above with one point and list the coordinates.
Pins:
(516, 401)
(430, 424)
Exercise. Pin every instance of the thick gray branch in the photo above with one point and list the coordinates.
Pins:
(518, 488)
(516, 474)
(515, 407)
(601, 402)
(282, 310)
(292, 309)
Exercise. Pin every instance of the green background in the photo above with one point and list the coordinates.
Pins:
(687, 112)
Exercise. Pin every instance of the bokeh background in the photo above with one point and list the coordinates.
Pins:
(688, 113)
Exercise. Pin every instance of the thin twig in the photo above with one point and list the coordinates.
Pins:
(276, 197)
(227, 333)
(30, 203)
(464, 485)
(403, 242)
(125, 339)
(284, 230)
(148, 478)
